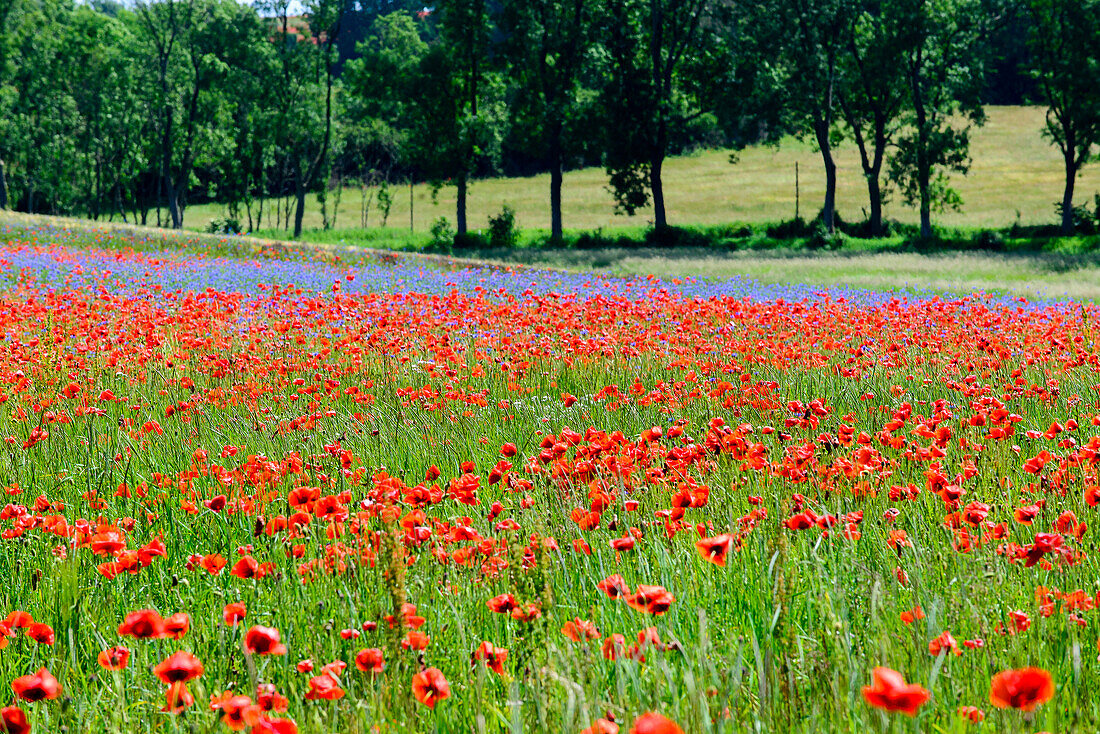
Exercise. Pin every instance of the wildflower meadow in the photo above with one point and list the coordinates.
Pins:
(305, 495)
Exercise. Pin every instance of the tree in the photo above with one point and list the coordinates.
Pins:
(659, 56)
(307, 62)
(102, 79)
(458, 112)
(381, 89)
(547, 41)
(1065, 47)
(165, 23)
(872, 93)
(944, 53)
(810, 39)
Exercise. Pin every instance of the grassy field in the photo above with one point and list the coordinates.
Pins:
(1028, 274)
(1015, 171)
(268, 496)
(1063, 274)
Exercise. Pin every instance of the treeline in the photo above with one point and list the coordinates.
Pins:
(136, 112)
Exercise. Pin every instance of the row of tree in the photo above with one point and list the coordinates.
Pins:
(112, 111)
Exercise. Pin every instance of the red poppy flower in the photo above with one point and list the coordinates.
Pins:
(114, 658)
(36, 687)
(246, 568)
(502, 604)
(622, 544)
(41, 633)
(334, 669)
(263, 641)
(1023, 688)
(177, 698)
(18, 620)
(370, 660)
(614, 586)
(973, 713)
(13, 720)
(179, 667)
(945, 641)
(912, 615)
(493, 656)
(579, 630)
(272, 725)
(889, 691)
(176, 626)
(601, 726)
(270, 699)
(715, 549)
(239, 712)
(415, 640)
(650, 599)
(654, 723)
(613, 646)
(233, 613)
(143, 624)
(325, 687)
(430, 687)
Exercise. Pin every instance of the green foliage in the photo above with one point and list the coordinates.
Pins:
(1065, 44)
(223, 225)
(502, 228)
(443, 234)
(142, 112)
(657, 60)
(945, 51)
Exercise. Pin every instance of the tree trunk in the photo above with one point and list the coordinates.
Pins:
(924, 183)
(828, 211)
(169, 187)
(300, 208)
(925, 210)
(874, 194)
(660, 221)
(1067, 194)
(3, 187)
(555, 189)
(460, 213)
(924, 178)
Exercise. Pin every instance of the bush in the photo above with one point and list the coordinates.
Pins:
(790, 229)
(224, 225)
(1085, 219)
(502, 228)
(597, 240)
(677, 237)
(822, 239)
(443, 234)
(470, 241)
(989, 239)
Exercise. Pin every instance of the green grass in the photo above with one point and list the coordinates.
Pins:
(1066, 268)
(1015, 172)
(780, 639)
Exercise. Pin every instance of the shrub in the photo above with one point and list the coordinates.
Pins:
(597, 240)
(822, 239)
(443, 234)
(502, 228)
(224, 225)
(790, 229)
(470, 241)
(989, 239)
(677, 237)
(1085, 219)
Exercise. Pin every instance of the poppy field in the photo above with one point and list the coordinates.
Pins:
(283, 496)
